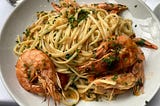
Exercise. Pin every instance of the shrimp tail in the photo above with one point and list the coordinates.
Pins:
(144, 43)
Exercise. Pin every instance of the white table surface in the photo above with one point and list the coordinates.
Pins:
(6, 9)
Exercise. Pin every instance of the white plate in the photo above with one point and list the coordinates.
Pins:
(157, 11)
(25, 15)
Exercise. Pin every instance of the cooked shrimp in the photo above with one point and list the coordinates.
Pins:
(112, 8)
(36, 73)
(117, 53)
(134, 79)
(121, 52)
(122, 81)
(64, 4)
(109, 7)
(116, 43)
(119, 83)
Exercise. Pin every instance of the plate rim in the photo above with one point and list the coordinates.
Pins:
(19, 6)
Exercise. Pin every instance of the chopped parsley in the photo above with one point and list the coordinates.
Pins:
(46, 53)
(93, 67)
(95, 4)
(74, 105)
(139, 60)
(110, 61)
(116, 46)
(139, 82)
(17, 41)
(135, 6)
(74, 86)
(141, 42)
(50, 55)
(114, 78)
(111, 4)
(29, 74)
(53, 21)
(78, 50)
(125, 83)
(73, 22)
(68, 56)
(81, 16)
(94, 55)
(24, 65)
(125, 59)
(37, 47)
(27, 32)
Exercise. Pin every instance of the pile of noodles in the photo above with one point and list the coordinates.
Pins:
(71, 39)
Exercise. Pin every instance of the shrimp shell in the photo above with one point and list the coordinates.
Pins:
(36, 74)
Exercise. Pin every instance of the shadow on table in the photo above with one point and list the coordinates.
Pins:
(155, 101)
(8, 104)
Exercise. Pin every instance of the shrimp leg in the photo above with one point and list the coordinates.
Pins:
(138, 72)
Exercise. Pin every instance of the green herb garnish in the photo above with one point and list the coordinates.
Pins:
(114, 78)
(93, 67)
(73, 21)
(135, 6)
(141, 42)
(68, 56)
(125, 83)
(111, 4)
(29, 74)
(139, 82)
(83, 14)
(78, 50)
(110, 61)
(24, 65)
(117, 47)
(17, 41)
(27, 32)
